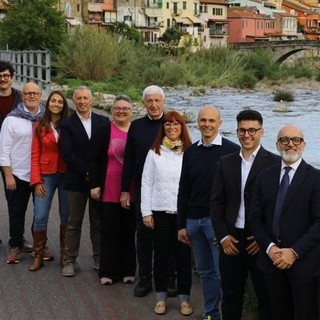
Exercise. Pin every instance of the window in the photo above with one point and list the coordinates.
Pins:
(203, 8)
(168, 23)
(175, 8)
(217, 12)
(184, 5)
(167, 5)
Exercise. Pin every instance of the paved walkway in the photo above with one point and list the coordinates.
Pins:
(45, 294)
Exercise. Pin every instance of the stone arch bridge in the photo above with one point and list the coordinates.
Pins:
(281, 50)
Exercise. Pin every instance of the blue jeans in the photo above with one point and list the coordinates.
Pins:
(42, 206)
(206, 254)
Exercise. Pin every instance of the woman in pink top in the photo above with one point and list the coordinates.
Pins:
(118, 256)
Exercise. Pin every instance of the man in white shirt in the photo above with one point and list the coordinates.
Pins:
(15, 155)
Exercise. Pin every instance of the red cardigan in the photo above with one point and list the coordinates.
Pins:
(45, 156)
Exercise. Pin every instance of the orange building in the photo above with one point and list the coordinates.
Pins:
(248, 25)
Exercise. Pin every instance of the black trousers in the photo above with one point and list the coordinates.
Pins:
(118, 253)
(234, 274)
(292, 298)
(17, 201)
(166, 242)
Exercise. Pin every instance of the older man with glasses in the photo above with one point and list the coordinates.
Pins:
(15, 157)
(285, 221)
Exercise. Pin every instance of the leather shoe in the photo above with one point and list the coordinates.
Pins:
(142, 288)
(185, 308)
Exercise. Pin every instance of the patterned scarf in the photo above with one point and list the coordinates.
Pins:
(173, 145)
(20, 112)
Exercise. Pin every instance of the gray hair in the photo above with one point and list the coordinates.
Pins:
(122, 97)
(152, 90)
(81, 88)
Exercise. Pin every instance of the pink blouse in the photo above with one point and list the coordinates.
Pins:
(112, 188)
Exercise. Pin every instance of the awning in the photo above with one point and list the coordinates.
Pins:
(153, 12)
(94, 7)
(196, 20)
(182, 20)
(74, 21)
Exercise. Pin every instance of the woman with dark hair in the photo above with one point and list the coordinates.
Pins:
(47, 169)
(160, 183)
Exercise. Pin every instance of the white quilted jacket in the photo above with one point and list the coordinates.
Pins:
(160, 181)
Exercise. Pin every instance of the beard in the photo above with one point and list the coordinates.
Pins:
(289, 157)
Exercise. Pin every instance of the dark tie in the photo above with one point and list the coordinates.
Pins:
(283, 188)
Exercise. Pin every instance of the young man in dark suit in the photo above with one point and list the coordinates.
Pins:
(230, 202)
(75, 134)
(285, 220)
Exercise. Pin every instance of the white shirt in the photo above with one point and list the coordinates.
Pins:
(86, 123)
(245, 170)
(216, 141)
(15, 146)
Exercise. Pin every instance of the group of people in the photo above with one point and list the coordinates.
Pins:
(156, 197)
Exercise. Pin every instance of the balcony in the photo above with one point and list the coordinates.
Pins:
(217, 32)
(200, 29)
(176, 12)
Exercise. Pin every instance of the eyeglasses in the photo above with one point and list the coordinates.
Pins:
(119, 109)
(5, 76)
(172, 124)
(29, 94)
(251, 131)
(286, 140)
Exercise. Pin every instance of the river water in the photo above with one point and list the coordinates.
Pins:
(304, 111)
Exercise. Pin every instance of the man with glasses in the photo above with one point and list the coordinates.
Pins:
(15, 156)
(194, 223)
(230, 202)
(285, 221)
(9, 97)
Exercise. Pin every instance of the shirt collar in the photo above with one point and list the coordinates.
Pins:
(216, 141)
(82, 118)
(155, 119)
(253, 154)
(294, 165)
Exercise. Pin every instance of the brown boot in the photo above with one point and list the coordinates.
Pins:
(63, 228)
(39, 244)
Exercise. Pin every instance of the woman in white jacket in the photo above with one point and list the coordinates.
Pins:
(160, 183)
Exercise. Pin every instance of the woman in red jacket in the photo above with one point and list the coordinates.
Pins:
(47, 169)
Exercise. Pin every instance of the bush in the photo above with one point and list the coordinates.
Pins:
(247, 81)
(283, 95)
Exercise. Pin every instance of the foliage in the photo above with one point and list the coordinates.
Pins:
(247, 81)
(283, 95)
(261, 63)
(171, 36)
(130, 33)
(32, 25)
(302, 71)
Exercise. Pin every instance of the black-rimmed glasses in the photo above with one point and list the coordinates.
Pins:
(295, 140)
(251, 131)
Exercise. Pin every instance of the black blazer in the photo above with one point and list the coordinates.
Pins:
(226, 191)
(98, 159)
(300, 219)
(74, 146)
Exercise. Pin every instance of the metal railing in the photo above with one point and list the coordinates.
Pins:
(30, 66)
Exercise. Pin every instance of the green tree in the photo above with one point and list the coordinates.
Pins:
(128, 32)
(32, 25)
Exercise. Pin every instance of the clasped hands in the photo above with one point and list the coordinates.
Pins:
(230, 249)
(282, 258)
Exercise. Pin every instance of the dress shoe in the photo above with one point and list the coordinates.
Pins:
(14, 256)
(26, 246)
(172, 289)
(143, 287)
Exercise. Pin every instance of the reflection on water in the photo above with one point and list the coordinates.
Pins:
(304, 112)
